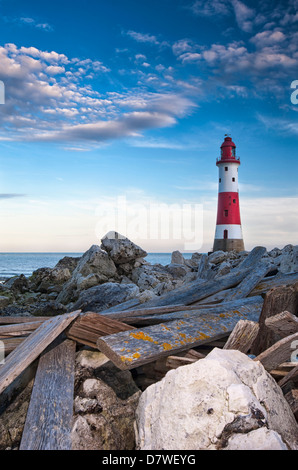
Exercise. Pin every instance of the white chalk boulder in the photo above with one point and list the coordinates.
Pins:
(224, 401)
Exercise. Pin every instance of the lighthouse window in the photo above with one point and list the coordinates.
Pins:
(233, 152)
(220, 180)
(234, 201)
(226, 168)
(226, 213)
(225, 234)
(233, 179)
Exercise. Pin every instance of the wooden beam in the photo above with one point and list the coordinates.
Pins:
(239, 306)
(276, 300)
(19, 329)
(173, 362)
(268, 283)
(279, 352)
(130, 349)
(87, 328)
(257, 273)
(50, 414)
(198, 290)
(8, 320)
(10, 344)
(242, 336)
(283, 324)
(279, 280)
(172, 312)
(33, 346)
(293, 374)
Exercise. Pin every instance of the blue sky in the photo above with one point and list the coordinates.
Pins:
(129, 100)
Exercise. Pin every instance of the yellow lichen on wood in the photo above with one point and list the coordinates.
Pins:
(143, 336)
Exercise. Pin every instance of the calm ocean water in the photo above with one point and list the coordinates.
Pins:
(13, 264)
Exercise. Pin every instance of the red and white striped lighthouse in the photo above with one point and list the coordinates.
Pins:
(228, 233)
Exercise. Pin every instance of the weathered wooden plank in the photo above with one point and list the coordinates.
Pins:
(276, 300)
(133, 348)
(19, 329)
(240, 306)
(8, 320)
(275, 281)
(293, 374)
(173, 362)
(283, 324)
(262, 287)
(292, 399)
(89, 326)
(49, 418)
(160, 312)
(11, 343)
(257, 273)
(202, 266)
(242, 336)
(197, 290)
(279, 352)
(33, 346)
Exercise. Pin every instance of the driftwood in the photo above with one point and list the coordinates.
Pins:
(242, 336)
(8, 320)
(264, 286)
(280, 280)
(133, 348)
(279, 352)
(49, 418)
(276, 300)
(173, 362)
(10, 344)
(283, 324)
(195, 291)
(88, 327)
(292, 399)
(245, 287)
(242, 306)
(292, 375)
(33, 346)
(19, 329)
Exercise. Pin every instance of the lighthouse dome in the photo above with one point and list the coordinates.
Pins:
(228, 151)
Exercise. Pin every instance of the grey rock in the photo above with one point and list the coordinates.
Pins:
(105, 403)
(18, 284)
(104, 296)
(69, 262)
(121, 250)
(177, 258)
(217, 257)
(4, 302)
(94, 267)
(177, 270)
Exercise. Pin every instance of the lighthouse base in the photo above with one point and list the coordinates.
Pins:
(228, 245)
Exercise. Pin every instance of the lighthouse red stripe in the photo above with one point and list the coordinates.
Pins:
(228, 210)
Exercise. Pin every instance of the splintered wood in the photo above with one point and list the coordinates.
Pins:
(32, 347)
(132, 348)
(49, 418)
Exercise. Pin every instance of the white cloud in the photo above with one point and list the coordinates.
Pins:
(210, 8)
(244, 15)
(54, 70)
(141, 37)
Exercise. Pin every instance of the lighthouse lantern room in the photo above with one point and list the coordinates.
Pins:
(228, 233)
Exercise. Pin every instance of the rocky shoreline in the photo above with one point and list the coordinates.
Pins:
(118, 409)
(117, 272)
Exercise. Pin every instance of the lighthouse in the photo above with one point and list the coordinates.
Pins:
(228, 233)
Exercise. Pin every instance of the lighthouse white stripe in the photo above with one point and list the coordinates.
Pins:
(234, 231)
(226, 183)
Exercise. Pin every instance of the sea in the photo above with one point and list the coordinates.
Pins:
(14, 264)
